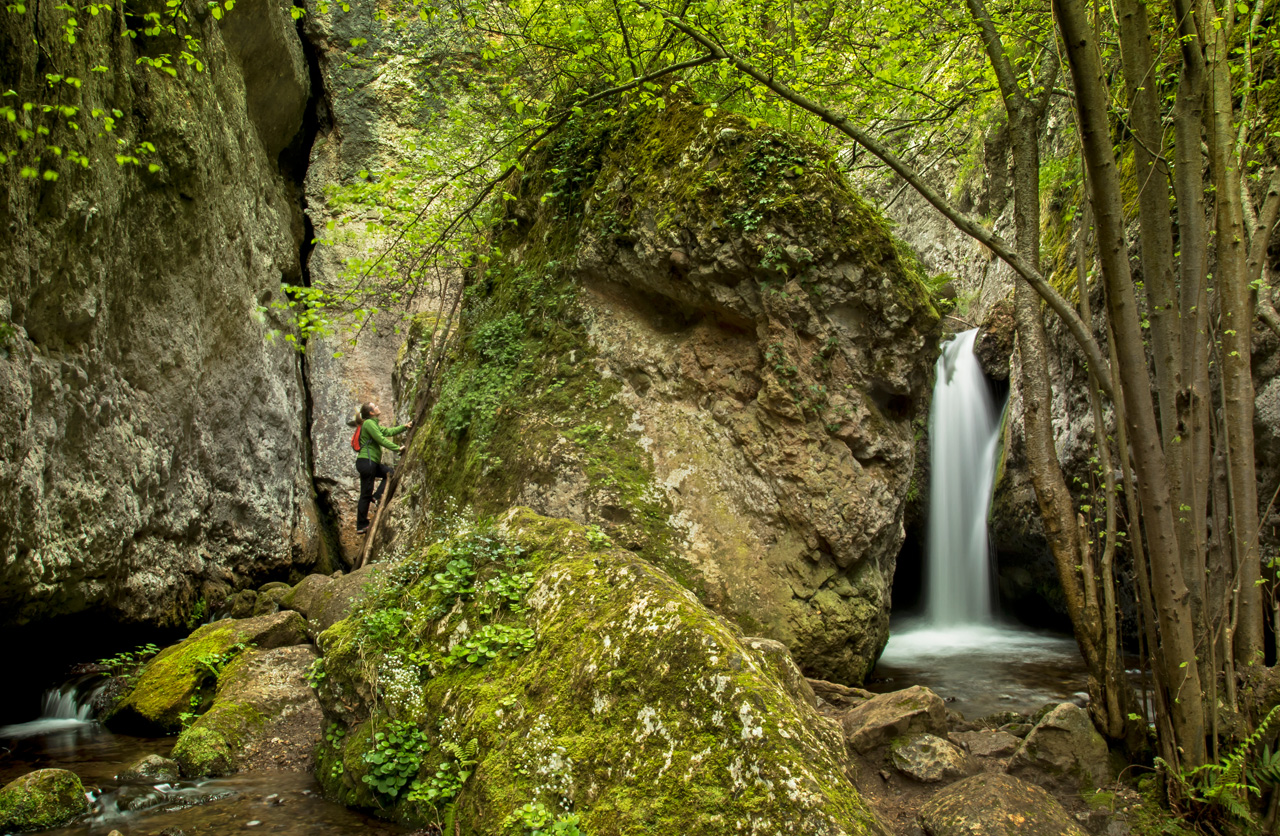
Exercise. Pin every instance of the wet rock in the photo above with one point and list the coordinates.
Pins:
(1064, 749)
(151, 769)
(994, 345)
(992, 804)
(647, 711)
(930, 759)
(269, 599)
(879, 721)
(134, 798)
(988, 744)
(41, 800)
(169, 681)
(265, 717)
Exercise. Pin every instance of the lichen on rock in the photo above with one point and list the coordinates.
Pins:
(558, 669)
(698, 338)
(42, 800)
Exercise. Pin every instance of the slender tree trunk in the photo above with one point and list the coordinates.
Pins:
(1180, 672)
(1231, 276)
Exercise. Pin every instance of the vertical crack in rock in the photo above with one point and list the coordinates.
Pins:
(294, 161)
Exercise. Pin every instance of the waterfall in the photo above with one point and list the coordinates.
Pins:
(964, 427)
(62, 709)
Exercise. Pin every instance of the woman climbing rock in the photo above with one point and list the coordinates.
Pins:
(370, 438)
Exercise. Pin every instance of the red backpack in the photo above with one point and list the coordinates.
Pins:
(355, 437)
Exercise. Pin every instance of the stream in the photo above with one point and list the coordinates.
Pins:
(65, 737)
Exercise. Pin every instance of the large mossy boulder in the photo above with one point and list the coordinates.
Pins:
(187, 670)
(265, 717)
(545, 670)
(700, 339)
(41, 800)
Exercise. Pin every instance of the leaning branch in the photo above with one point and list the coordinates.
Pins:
(966, 224)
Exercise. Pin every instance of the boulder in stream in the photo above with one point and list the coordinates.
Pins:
(168, 683)
(151, 769)
(41, 800)
(265, 717)
(992, 804)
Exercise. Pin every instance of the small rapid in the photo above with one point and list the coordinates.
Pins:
(66, 708)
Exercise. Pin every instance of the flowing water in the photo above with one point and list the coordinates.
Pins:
(66, 737)
(959, 647)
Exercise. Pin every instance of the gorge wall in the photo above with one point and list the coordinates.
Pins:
(153, 437)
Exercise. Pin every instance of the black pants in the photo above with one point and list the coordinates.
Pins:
(369, 471)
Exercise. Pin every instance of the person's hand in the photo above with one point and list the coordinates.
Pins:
(409, 425)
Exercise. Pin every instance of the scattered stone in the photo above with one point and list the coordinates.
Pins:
(929, 759)
(151, 769)
(1064, 749)
(878, 721)
(840, 696)
(1017, 729)
(42, 800)
(988, 744)
(993, 804)
(169, 681)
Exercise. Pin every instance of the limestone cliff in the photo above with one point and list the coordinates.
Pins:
(153, 439)
(698, 338)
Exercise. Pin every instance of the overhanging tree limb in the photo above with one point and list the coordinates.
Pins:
(966, 224)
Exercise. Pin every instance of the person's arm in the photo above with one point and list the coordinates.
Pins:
(389, 431)
(379, 436)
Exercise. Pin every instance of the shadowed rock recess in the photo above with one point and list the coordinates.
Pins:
(698, 338)
(151, 439)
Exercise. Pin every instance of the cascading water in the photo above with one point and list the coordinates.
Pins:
(61, 709)
(957, 647)
(964, 427)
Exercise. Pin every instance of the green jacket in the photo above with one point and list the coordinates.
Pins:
(373, 437)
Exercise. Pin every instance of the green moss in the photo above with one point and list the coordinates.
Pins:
(41, 800)
(636, 707)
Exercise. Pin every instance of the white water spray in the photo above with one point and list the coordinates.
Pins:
(61, 709)
(964, 427)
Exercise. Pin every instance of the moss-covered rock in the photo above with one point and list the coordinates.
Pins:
(265, 716)
(700, 339)
(180, 679)
(605, 691)
(42, 799)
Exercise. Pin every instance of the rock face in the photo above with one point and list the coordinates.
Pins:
(705, 343)
(42, 800)
(545, 669)
(391, 83)
(992, 804)
(187, 670)
(152, 440)
(265, 717)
